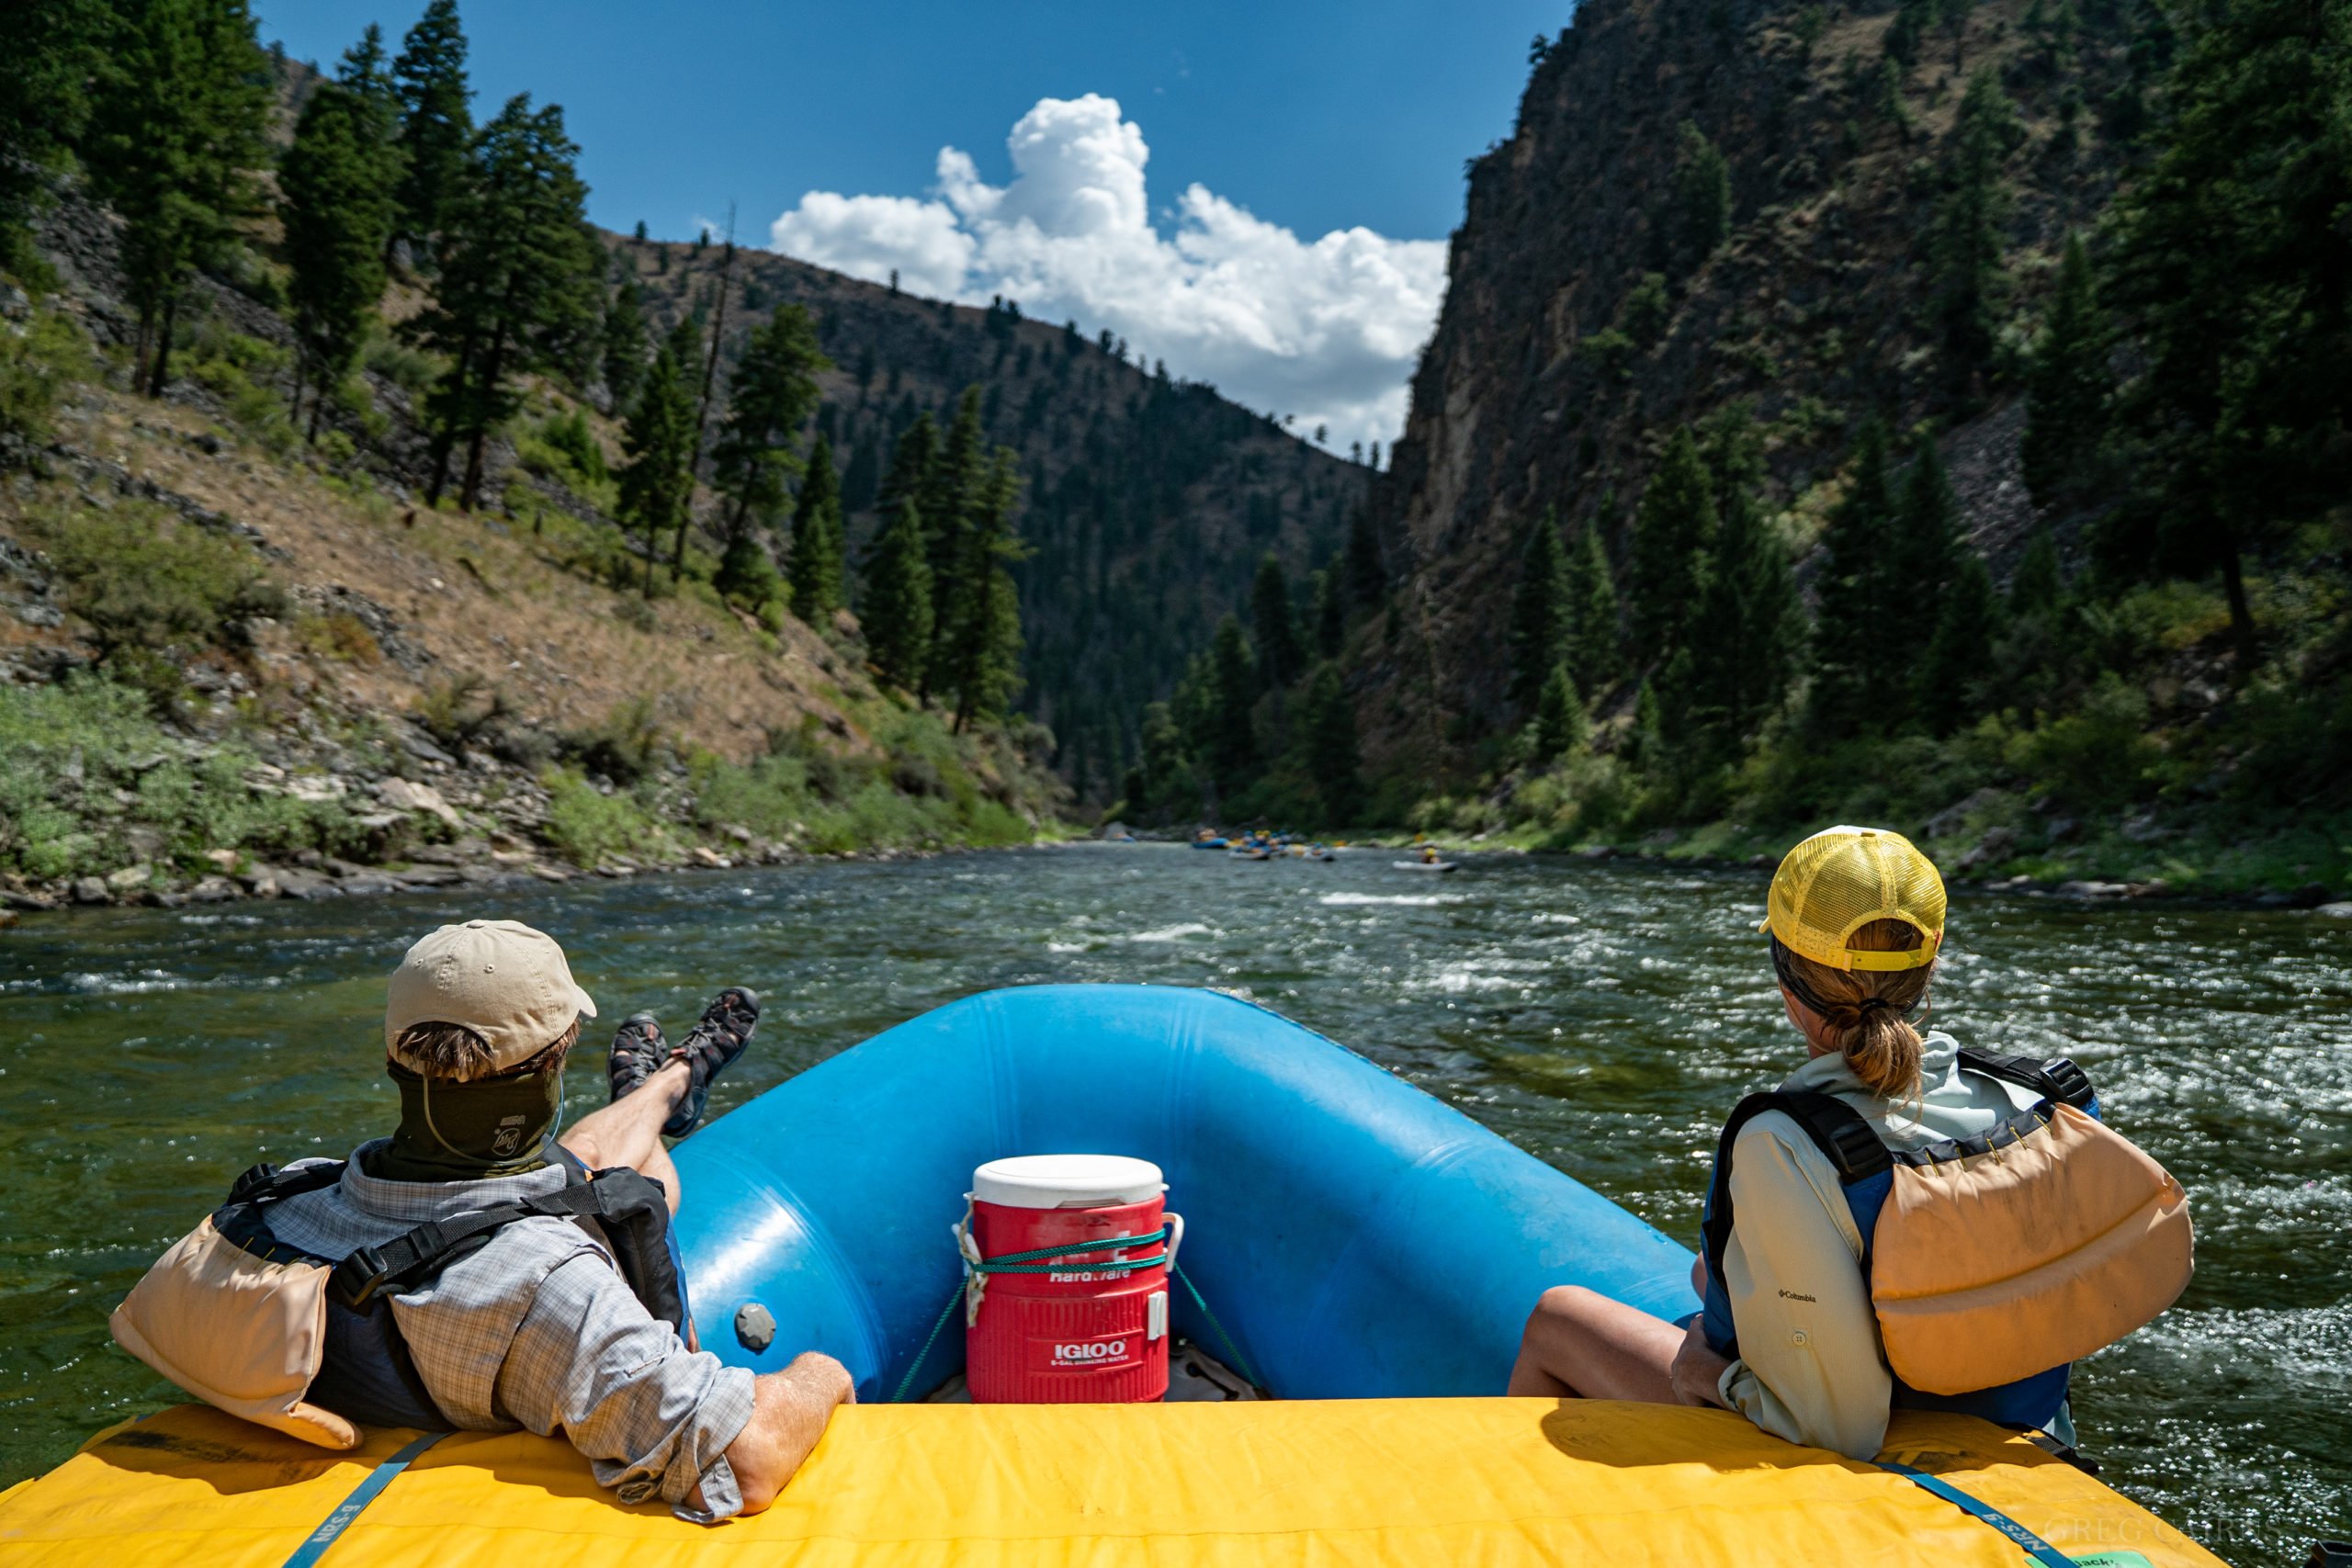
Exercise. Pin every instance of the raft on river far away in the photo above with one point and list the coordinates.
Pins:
(1370, 1252)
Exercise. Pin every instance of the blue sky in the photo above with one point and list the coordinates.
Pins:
(1309, 119)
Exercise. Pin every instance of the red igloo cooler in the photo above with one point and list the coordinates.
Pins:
(1069, 1328)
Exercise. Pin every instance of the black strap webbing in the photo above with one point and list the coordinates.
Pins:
(2057, 1078)
(1836, 1128)
(408, 1259)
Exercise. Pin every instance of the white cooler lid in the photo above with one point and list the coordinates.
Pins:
(1066, 1181)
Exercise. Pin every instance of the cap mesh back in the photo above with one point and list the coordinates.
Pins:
(1845, 877)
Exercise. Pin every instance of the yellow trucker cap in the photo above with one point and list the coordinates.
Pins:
(1843, 878)
(500, 978)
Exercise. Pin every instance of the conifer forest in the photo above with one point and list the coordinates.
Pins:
(1932, 412)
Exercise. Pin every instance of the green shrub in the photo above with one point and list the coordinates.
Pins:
(411, 369)
(65, 752)
(146, 579)
(343, 638)
(2097, 756)
(622, 745)
(569, 436)
(1610, 349)
(42, 360)
(225, 361)
(592, 828)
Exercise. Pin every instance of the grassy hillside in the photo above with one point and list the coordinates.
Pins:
(234, 659)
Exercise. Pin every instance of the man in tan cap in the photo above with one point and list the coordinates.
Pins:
(566, 1321)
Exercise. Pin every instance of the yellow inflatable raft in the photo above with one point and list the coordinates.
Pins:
(1419, 1482)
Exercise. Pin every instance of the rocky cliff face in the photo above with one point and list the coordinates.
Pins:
(1815, 309)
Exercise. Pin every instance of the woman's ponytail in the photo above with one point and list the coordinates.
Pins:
(1863, 1011)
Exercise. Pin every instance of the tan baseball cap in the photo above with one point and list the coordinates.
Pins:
(500, 978)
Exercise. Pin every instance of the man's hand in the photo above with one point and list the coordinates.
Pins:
(791, 1410)
(1697, 1370)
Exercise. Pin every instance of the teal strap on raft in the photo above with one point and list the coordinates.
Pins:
(1026, 1262)
(924, 1355)
(315, 1544)
(1230, 1348)
(2032, 1545)
(1021, 1263)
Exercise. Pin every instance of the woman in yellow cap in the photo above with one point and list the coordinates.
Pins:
(1789, 1335)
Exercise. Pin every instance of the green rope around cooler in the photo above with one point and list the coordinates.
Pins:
(1030, 1262)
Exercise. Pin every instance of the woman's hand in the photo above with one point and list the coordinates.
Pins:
(1697, 1372)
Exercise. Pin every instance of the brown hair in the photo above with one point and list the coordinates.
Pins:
(1862, 1011)
(454, 1051)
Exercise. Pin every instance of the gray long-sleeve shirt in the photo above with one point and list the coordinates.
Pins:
(538, 1330)
(1811, 1366)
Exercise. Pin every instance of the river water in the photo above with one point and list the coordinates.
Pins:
(1603, 1017)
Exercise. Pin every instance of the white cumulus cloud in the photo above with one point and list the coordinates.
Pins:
(1326, 329)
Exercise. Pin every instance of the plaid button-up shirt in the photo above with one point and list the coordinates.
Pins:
(538, 1330)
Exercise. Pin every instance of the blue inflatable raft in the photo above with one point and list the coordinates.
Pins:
(1358, 1238)
(1354, 1236)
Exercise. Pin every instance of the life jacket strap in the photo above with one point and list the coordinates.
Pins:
(2057, 1078)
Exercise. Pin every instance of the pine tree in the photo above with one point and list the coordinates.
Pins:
(654, 485)
(335, 203)
(2067, 384)
(770, 395)
(1909, 31)
(1560, 726)
(817, 544)
(979, 658)
(2231, 262)
(1230, 742)
(912, 458)
(1964, 237)
(1331, 612)
(1752, 624)
(1538, 611)
(1162, 784)
(1860, 681)
(518, 279)
(1279, 657)
(47, 53)
(176, 135)
(1367, 578)
(745, 575)
(1957, 662)
(1702, 194)
(1924, 554)
(1332, 753)
(950, 487)
(1592, 612)
(436, 125)
(2039, 587)
(896, 608)
(1675, 523)
(626, 353)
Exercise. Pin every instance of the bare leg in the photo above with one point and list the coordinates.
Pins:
(1579, 1343)
(628, 1131)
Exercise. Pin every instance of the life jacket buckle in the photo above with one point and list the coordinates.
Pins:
(359, 1277)
(2069, 1082)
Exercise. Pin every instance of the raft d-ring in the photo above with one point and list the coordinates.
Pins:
(976, 1280)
